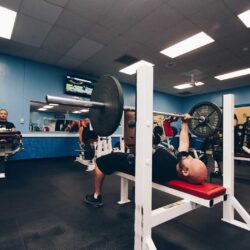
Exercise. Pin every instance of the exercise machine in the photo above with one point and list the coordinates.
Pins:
(10, 144)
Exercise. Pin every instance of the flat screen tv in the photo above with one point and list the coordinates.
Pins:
(76, 86)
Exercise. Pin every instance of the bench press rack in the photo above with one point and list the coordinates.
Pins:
(145, 218)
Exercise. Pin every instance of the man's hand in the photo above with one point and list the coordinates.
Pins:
(186, 118)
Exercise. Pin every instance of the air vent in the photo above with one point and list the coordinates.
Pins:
(185, 93)
(127, 60)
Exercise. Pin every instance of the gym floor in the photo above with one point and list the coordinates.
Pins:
(41, 208)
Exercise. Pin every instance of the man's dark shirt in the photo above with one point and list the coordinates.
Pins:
(88, 134)
(6, 125)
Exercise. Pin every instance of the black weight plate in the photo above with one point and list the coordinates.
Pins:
(107, 119)
(213, 116)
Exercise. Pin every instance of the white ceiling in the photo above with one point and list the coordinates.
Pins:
(89, 35)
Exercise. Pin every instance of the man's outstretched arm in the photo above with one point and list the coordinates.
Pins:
(184, 137)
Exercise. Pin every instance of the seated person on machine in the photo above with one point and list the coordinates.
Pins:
(165, 166)
(4, 124)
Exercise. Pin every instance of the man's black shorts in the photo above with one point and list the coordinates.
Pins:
(113, 162)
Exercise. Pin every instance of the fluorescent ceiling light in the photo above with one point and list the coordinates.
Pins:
(7, 20)
(84, 110)
(245, 18)
(188, 85)
(233, 74)
(53, 104)
(42, 109)
(187, 45)
(130, 70)
(48, 107)
(183, 86)
(199, 83)
(76, 112)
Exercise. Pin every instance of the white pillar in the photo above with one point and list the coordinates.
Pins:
(143, 175)
(228, 154)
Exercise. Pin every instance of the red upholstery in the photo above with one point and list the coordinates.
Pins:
(206, 190)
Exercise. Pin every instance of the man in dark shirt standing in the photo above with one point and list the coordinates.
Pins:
(4, 124)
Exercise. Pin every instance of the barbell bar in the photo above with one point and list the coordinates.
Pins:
(74, 102)
(200, 118)
(107, 104)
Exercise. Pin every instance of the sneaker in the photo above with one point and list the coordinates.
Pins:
(90, 199)
(246, 149)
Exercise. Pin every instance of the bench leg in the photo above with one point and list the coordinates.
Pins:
(124, 191)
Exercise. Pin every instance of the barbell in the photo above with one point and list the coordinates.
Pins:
(106, 108)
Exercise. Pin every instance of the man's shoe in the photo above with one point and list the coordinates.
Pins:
(96, 202)
(246, 150)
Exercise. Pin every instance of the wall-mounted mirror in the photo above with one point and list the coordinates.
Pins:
(55, 118)
(242, 129)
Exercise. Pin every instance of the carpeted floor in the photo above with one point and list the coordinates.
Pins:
(41, 208)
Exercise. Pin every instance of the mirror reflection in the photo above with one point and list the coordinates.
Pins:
(54, 117)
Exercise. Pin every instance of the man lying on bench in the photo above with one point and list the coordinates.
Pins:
(165, 166)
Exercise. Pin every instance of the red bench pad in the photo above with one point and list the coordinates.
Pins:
(205, 190)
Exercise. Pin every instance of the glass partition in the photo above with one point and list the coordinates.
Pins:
(55, 118)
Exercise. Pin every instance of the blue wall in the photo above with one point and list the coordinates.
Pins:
(242, 97)
(22, 81)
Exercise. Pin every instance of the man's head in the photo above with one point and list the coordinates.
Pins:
(192, 170)
(87, 121)
(3, 115)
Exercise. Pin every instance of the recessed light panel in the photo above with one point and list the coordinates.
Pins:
(187, 45)
(245, 18)
(7, 20)
(233, 74)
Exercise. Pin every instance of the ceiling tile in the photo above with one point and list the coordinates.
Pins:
(68, 62)
(106, 56)
(101, 34)
(61, 3)
(60, 40)
(237, 6)
(240, 40)
(191, 6)
(11, 4)
(84, 49)
(216, 24)
(74, 23)
(41, 10)
(154, 25)
(125, 14)
(30, 31)
(162, 18)
(92, 10)
(173, 35)
(123, 43)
